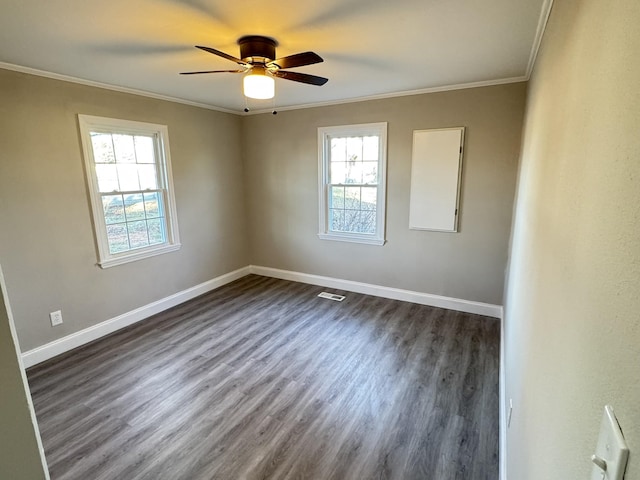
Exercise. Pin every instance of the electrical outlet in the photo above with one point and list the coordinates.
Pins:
(56, 318)
(510, 412)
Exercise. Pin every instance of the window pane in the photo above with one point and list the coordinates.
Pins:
(354, 172)
(107, 177)
(138, 234)
(338, 149)
(370, 148)
(369, 198)
(338, 172)
(351, 220)
(156, 231)
(354, 148)
(144, 150)
(125, 152)
(352, 198)
(369, 172)
(102, 148)
(368, 222)
(152, 204)
(128, 177)
(113, 209)
(336, 220)
(359, 222)
(117, 238)
(336, 199)
(147, 175)
(134, 207)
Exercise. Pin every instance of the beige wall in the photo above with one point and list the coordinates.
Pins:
(47, 243)
(573, 298)
(281, 158)
(20, 454)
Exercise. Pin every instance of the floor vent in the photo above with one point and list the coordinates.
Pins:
(331, 296)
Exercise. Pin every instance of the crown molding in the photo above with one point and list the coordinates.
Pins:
(545, 12)
(443, 88)
(107, 86)
(542, 22)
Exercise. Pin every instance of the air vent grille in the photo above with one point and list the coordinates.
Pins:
(331, 296)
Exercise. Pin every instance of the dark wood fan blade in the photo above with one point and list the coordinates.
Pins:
(297, 60)
(301, 77)
(212, 71)
(222, 54)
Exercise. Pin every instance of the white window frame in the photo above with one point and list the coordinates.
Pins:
(324, 152)
(88, 124)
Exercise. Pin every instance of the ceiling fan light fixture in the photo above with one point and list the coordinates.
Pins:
(257, 84)
(260, 66)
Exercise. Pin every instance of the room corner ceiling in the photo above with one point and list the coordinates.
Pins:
(370, 48)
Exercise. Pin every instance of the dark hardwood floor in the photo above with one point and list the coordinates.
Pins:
(261, 379)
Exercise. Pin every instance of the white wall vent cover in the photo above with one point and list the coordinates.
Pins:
(331, 296)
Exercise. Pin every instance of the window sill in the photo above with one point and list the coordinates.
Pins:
(352, 238)
(138, 255)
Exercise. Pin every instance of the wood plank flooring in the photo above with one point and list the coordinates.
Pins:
(261, 379)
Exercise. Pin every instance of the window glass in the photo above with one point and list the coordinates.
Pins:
(352, 184)
(128, 170)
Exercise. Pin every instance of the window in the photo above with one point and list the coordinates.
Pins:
(129, 175)
(352, 176)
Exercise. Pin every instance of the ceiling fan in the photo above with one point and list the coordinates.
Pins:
(259, 64)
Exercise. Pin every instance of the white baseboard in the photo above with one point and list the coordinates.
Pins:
(77, 339)
(467, 306)
(503, 403)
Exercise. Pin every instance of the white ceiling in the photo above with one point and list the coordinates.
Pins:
(370, 47)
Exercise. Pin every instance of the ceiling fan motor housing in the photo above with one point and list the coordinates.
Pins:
(258, 59)
(253, 46)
